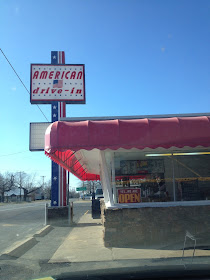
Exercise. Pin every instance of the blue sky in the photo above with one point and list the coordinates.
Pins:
(141, 57)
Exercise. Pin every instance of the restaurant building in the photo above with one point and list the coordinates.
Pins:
(155, 172)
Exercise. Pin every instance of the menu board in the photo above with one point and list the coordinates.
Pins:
(134, 167)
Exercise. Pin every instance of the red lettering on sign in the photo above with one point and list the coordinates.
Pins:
(79, 75)
(62, 75)
(51, 75)
(79, 91)
(36, 74)
(57, 74)
(43, 75)
(66, 74)
(72, 91)
(52, 90)
(73, 74)
(36, 90)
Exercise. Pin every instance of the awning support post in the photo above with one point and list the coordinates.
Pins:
(113, 180)
(106, 184)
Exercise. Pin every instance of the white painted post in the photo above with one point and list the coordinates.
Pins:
(46, 213)
(113, 180)
(108, 198)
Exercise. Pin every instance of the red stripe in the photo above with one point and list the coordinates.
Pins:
(62, 187)
(59, 178)
(63, 57)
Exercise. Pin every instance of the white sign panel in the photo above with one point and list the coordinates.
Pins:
(37, 136)
(64, 83)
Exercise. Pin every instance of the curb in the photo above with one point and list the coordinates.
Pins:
(19, 248)
(44, 231)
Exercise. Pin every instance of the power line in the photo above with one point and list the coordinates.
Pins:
(21, 81)
(13, 154)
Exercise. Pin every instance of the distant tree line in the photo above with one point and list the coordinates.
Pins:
(73, 194)
(91, 186)
(28, 183)
(23, 181)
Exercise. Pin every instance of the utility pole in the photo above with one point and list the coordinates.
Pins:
(12, 181)
(43, 180)
(20, 182)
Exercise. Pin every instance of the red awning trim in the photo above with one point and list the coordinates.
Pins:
(72, 165)
(61, 138)
(127, 134)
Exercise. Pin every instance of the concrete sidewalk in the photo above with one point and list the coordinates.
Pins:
(85, 244)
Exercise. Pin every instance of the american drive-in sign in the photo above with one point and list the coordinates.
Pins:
(63, 83)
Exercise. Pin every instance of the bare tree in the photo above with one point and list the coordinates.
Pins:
(20, 180)
(47, 189)
(91, 186)
(6, 183)
(30, 182)
(73, 194)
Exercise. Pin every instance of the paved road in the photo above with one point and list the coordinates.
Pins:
(35, 262)
(80, 208)
(19, 221)
(26, 220)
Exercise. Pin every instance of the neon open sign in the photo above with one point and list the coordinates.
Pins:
(64, 83)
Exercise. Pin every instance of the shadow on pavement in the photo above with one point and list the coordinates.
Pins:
(87, 224)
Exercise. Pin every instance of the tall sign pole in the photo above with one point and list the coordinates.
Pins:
(58, 110)
(57, 84)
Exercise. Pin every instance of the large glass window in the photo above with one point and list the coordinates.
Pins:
(161, 177)
(192, 176)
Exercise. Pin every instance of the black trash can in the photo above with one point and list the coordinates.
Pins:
(96, 210)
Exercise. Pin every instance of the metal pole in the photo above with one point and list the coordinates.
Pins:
(46, 213)
(68, 180)
(58, 111)
(174, 184)
(69, 214)
(72, 211)
(43, 180)
(20, 185)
